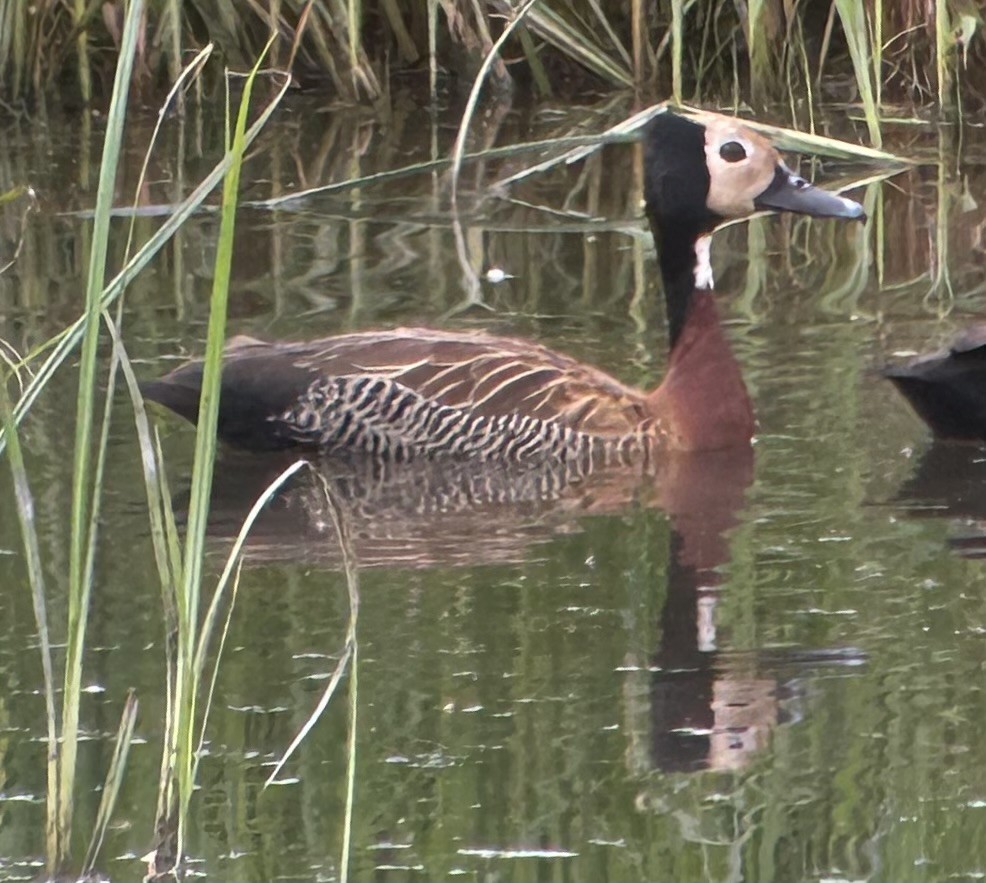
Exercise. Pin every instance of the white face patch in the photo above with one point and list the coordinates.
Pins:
(741, 166)
(703, 262)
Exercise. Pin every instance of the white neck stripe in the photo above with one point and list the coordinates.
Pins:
(703, 263)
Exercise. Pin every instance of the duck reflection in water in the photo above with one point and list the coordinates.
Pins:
(707, 711)
(458, 415)
(709, 707)
(701, 707)
(950, 482)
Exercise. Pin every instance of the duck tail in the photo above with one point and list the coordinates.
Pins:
(182, 398)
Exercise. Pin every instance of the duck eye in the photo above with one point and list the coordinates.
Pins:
(732, 151)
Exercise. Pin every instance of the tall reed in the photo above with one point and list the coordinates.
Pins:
(190, 624)
(86, 493)
(565, 45)
(88, 478)
(188, 596)
(63, 729)
(855, 23)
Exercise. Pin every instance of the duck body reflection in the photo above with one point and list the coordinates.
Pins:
(706, 708)
(947, 389)
(949, 481)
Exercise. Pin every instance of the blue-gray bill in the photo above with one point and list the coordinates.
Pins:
(789, 192)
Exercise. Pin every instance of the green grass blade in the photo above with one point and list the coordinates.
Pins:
(205, 452)
(542, 82)
(79, 585)
(82, 52)
(205, 442)
(174, 46)
(759, 48)
(156, 502)
(56, 845)
(167, 555)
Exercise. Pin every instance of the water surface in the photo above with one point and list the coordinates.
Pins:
(744, 668)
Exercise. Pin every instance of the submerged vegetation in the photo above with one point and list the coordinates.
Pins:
(877, 52)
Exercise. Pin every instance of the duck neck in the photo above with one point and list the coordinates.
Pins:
(683, 252)
(702, 403)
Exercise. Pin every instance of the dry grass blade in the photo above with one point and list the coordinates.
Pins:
(791, 139)
(354, 21)
(231, 572)
(677, 46)
(193, 68)
(15, 362)
(351, 43)
(611, 33)
(351, 567)
(32, 204)
(459, 147)
(582, 47)
(943, 45)
(299, 32)
(592, 141)
(852, 14)
(113, 781)
(621, 132)
(313, 718)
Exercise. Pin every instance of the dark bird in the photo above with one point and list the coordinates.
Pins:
(947, 389)
(415, 392)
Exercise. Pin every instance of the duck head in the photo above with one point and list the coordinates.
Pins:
(700, 172)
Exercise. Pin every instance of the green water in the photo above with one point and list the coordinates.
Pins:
(763, 669)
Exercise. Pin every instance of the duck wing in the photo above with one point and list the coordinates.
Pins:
(475, 374)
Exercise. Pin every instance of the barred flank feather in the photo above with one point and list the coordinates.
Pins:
(420, 393)
(380, 416)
